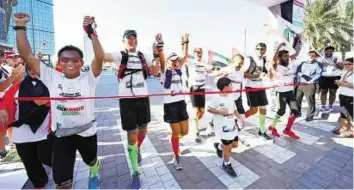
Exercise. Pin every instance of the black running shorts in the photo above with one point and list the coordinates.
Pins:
(227, 142)
(134, 112)
(175, 112)
(64, 155)
(256, 98)
(198, 101)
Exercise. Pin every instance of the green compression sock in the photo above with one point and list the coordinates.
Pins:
(133, 157)
(95, 168)
(262, 122)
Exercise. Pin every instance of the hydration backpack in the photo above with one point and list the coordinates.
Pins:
(124, 71)
(253, 65)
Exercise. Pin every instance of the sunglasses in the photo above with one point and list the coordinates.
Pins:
(348, 63)
(260, 49)
(198, 52)
(68, 60)
(14, 57)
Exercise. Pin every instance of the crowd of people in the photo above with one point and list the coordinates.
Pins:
(50, 132)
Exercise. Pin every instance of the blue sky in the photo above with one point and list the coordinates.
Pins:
(212, 25)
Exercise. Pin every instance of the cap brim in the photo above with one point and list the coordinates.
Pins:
(173, 58)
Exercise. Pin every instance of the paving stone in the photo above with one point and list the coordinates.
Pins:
(171, 184)
(81, 184)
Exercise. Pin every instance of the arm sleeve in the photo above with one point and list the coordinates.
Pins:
(168, 79)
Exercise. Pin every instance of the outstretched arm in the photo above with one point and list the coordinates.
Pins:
(89, 27)
(185, 42)
(23, 46)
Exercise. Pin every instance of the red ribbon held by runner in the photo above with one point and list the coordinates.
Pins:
(151, 95)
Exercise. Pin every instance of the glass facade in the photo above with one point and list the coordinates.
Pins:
(40, 30)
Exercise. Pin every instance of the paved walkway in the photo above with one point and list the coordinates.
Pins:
(318, 160)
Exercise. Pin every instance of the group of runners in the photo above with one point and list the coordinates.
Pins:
(50, 132)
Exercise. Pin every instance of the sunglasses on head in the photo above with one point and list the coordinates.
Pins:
(67, 60)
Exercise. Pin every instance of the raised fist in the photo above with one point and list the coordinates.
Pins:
(21, 19)
(159, 42)
(89, 26)
(185, 38)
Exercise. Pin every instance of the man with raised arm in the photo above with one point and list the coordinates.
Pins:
(133, 71)
(73, 121)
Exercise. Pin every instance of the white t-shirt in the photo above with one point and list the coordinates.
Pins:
(347, 77)
(24, 134)
(224, 125)
(176, 87)
(258, 82)
(197, 73)
(237, 78)
(71, 113)
(285, 75)
(329, 67)
(6, 73)
(139, 86)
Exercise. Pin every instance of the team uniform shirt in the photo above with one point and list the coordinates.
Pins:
(224, 125)
(285, 75)
(258, 82)
(24, 134)
(71, 113)
(136, 81)
(197, 73)
(176, 87)
(6, 72)
(237, 78)
(346, 77)
(329, 67)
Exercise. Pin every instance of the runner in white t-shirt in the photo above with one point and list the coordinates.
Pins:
(196, 71)
(224, 113)
(346, 100)
(284, 74)
(135, 111)
(256, 73)
(30, 128)
(331, 72)
(175, 107)
(73, 121)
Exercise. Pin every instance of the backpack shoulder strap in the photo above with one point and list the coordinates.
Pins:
(142, 58)
(125, 57)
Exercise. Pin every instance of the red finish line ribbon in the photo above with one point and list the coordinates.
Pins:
(152, 95)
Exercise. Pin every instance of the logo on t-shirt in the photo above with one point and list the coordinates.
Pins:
(70, 111)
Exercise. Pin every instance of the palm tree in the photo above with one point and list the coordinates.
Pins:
(324, 24)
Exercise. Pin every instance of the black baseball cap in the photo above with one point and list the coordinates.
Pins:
(262, 45)
(128, 33)
(222, 82)
(329, 48)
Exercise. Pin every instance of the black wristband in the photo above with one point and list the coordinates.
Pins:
(20, 28)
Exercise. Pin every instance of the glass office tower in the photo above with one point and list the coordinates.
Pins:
(40, 30)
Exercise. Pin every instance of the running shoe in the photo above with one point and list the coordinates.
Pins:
(218, 151)
(177, 163)
(139, 158)
(135, 181)
(229, 170)
(94, 182)
(274, 131)
(198, 139)
(291, 134)
(11, 156)
(264, 135)
(3, 154)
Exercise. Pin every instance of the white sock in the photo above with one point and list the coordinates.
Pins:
(227, 163)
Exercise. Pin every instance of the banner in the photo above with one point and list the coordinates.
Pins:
(298, 13)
